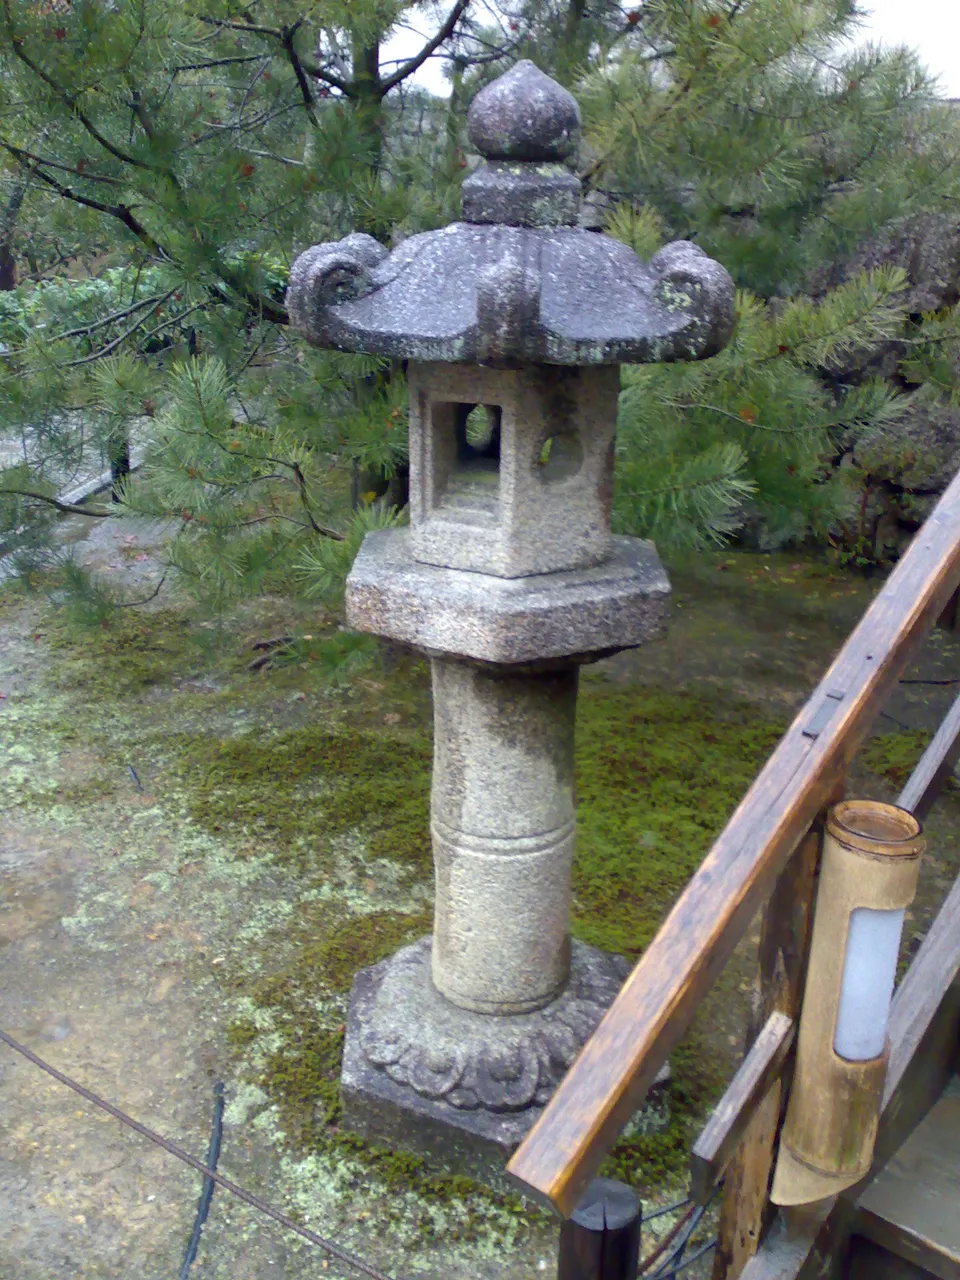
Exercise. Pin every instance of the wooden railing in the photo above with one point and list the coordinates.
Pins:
(767, 856)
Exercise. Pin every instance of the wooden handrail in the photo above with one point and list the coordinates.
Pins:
(617, 1066)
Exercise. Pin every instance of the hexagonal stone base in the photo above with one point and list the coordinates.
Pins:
(582, 613)
(462, 1089)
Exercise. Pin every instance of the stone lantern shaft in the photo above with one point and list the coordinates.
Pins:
(502, 821)
(513, 323)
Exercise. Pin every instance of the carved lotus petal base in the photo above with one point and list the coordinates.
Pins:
(461, 1088)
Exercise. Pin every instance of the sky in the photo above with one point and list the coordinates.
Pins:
(932, 27)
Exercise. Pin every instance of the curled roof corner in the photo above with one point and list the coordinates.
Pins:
(516, 282)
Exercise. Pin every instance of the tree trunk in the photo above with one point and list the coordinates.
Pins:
(576, 40)
(119, 463)
(366, 91)
(575, 14)
(8, 225)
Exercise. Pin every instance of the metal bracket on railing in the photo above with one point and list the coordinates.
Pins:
(823, 714)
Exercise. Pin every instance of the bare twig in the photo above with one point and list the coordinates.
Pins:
(136, 604)
(274, 643)
(272, 155)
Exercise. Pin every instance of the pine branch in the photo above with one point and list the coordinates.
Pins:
(121, 212)
(69, 101)
(69, 508)
(216, 62)
(277, 33)
(20, 153)
(287, 36)
(751, 423)
(86, 329)
(118, 341)
(414, 64)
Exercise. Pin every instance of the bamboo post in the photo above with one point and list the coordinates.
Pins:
(868, 878)
(601, 1240)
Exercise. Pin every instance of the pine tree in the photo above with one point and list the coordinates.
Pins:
(195, 149)
(759, 130)
(167, 162)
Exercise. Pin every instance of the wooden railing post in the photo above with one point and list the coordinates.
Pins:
(784, 951)
(601, 1240)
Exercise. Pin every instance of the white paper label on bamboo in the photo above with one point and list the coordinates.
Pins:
(869, 974)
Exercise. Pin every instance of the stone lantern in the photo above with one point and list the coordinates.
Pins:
(513, 322)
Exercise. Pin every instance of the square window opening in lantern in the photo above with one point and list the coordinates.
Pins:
(469, 487)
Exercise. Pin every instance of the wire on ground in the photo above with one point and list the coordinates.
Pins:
(342, 1255)
(206, 1194)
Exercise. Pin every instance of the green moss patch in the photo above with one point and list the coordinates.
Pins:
(359, 942)
(658, 774)
(296, 790)
(894, 756)
(122, 656)
(342, 802)
(301, 1071)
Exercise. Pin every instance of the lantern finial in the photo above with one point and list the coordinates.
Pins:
(524, 115)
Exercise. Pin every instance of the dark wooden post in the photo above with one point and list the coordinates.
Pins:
(601, 1240)
(951, 614)
(784, 950)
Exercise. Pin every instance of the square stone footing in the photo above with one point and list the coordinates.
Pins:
(462, 1089)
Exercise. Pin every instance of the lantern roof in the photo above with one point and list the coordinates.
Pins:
(517, 281)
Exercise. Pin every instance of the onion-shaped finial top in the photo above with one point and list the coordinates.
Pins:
(524, 115)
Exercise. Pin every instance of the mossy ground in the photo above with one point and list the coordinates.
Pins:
(318, 796)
